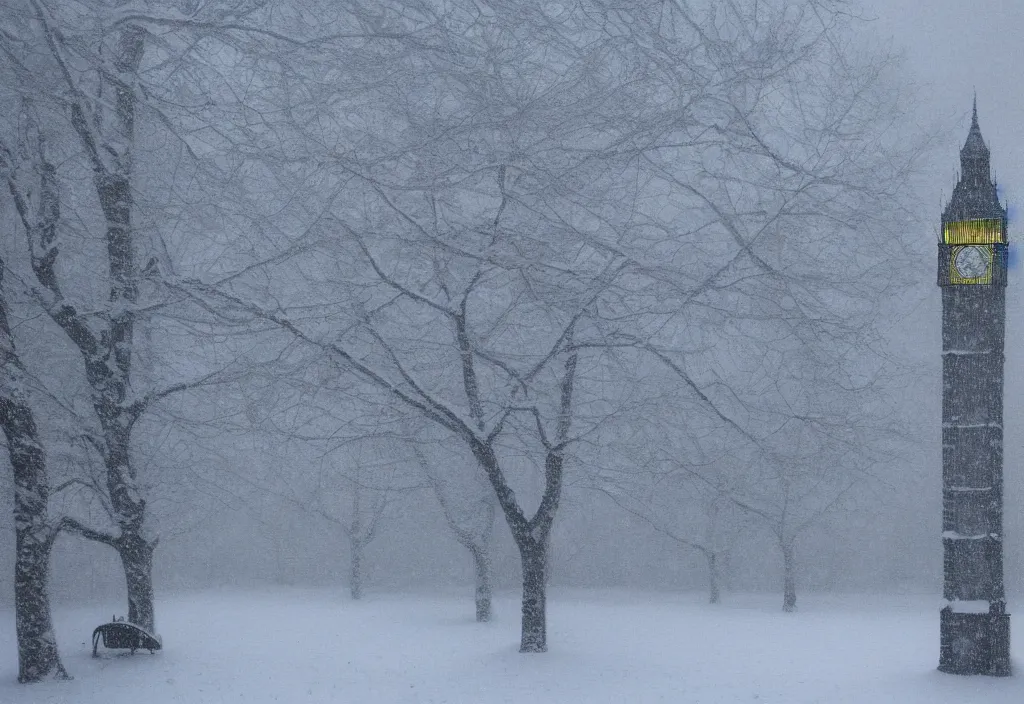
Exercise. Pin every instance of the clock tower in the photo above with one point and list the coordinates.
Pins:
(974, 626)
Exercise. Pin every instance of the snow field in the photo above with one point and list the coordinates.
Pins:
(605, 646)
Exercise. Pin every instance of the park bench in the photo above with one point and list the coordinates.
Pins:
(123, 635)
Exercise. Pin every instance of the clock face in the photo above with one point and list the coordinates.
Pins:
(971, 262)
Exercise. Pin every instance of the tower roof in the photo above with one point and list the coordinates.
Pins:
(974, 196)
(975, 144)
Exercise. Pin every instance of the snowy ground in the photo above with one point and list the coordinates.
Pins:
(314, 646)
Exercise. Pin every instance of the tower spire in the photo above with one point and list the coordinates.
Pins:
(974, 156)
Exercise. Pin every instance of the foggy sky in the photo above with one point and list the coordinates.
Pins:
(952, 47)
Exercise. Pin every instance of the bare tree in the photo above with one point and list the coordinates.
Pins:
(35, 532)
(768, 293)
(800, 443)
(689, 513)
(395, 379)
(106, 136)
(53, 56)
(369, 486)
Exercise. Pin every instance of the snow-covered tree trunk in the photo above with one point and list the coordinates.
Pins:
(38, 657)
(531, 535)
(136, 555)
(714, 581)
(535, 627)
(532, 549)
(473, 533)
(479, 547)
(788, 576)
(132, 545)
(482, 568)
(356, 568)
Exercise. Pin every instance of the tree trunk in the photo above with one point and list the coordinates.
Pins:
(356, 577)
(38, 657)
(531, 536)
(37, 645)
(137, 559)
(482, 564)
(713, 577)
(535, 635)
(788, 578)
(135, 551)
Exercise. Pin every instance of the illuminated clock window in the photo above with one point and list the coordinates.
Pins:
(981, 231)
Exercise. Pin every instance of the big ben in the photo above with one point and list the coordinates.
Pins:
(974, 625)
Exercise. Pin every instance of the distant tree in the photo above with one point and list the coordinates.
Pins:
(813, 427)
(469, 508)
(771, 239)
(690, 513)
(368, 485)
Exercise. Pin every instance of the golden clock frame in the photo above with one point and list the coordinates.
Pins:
(954, 274)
